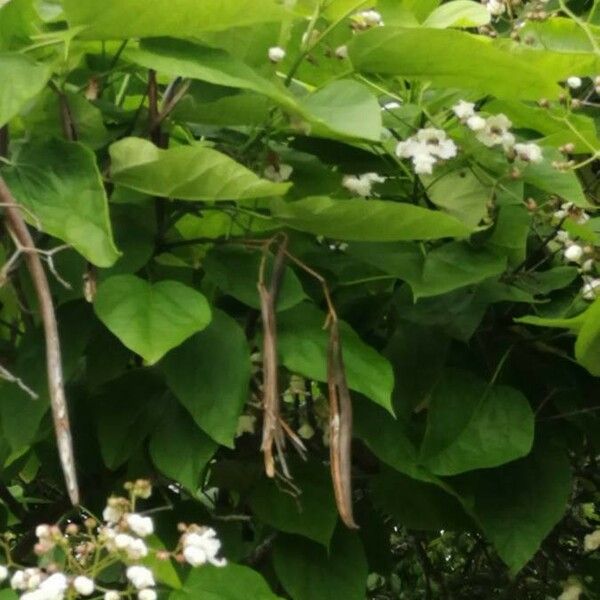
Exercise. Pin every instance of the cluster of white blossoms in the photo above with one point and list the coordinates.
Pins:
(366, 19)
(361, 184)
(576, 253)
(427, 147)
(495, 131)
(120, 540)
(495, 7)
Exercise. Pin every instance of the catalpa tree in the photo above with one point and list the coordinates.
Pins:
(299, 299)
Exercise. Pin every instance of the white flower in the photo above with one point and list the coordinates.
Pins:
(42, 531)
(29, 579)
(134, 548)
(361, 185)
(437, 142)
(18, 581)
(341, 52)
(115, 510)
(476, 123)
(573, 253)
(147, 594)
(142, 526)
(496, 132)
(590, 291)
(280, 174)
(111, 595)
(276, 54)
(463, 110)
(423, 163)
(200, 547)
(571, 591)
(391, 105)
(529, 152)
(371, 18)
(426, 147)
(84, 585)
(495, 7)
(137, 549)
(3, 573)
(123, 541)
(591, 541)
(588, 265)
(562, 236)
(574, 82)
(140, 577)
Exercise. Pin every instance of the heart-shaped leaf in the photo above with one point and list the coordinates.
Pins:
(151, 319)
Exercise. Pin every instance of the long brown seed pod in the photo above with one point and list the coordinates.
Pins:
(56, 388)
(340, 427)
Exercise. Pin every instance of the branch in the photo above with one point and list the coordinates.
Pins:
(18, 228)
(8, 376)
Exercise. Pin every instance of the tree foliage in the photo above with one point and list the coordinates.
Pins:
(327, 272)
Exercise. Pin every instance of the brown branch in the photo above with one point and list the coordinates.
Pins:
(18, 228)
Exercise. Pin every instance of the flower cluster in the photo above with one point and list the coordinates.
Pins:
(361, 184)
(426, 148)
(495, 131)
(576, 253)
(366, 19)
(495, 7)
(90, 549)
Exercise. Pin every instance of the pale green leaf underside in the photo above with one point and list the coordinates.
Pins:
(373, 220)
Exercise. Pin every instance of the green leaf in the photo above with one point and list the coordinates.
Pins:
(474, 63)
(312, 514)
(303, 345)
(60, 184)
(21, 415)
(461, 194)
(235, 271)
(27, 80)
(210, 374)
(564, 184)
(442, 270)
(186, 173)
(121, 19)
(345, 107)
(518, 504)
(18, 19)
(163, 570)
(417, 504)
(388, 440)
(127, 410)
(587, 345)
(473, 426)
(372, 220)
(150, 319)
(460, 13)
(232, 582)
(180, 450)
(308, 572)
(180, 58)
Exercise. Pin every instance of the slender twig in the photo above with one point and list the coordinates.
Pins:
(8, 376)
(17, 226)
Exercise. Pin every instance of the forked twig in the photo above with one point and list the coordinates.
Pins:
(19, 230)
(11, 378)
